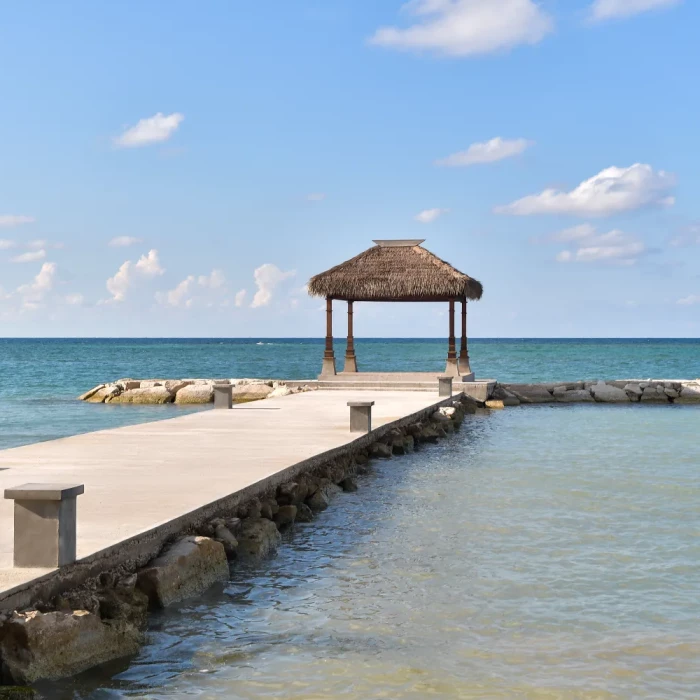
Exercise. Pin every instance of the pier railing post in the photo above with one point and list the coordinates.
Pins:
(45, 524)
(360, 416)
(445, 386)
(223, 396)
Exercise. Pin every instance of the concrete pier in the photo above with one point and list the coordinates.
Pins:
(145, 482)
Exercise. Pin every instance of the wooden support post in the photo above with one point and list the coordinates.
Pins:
(350, 359)
(328, 367)
(452, 368)
(464, 368)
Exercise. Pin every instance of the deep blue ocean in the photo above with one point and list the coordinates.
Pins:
(40, 378)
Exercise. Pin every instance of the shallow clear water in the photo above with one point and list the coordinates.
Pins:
(540, 553)
(40, 378)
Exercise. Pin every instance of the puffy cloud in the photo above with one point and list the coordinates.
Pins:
(146, 267)
(9, 220)
(427, 216)
(487, 152)
(589, 246)
(216, 280)
(33, 294)
(32, 256)
(611, 9)
(241, 297)
(155, 129)
(123, 241)
(267, 278)
(611, 191)
(180, 296)
(315, 197)
(467, 27)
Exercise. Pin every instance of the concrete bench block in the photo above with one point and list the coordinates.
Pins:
(223, 396)
(360, 416)
(445, 386)
(45, 524)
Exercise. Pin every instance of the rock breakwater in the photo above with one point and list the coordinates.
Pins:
(620, 391)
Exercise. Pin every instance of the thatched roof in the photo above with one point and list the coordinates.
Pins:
(395, 271)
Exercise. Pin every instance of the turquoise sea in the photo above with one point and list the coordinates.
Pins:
(40, 378)
(541, 553)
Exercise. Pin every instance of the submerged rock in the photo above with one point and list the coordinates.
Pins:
(304, 513)
(188, 567)
(48, 646)
(257, 538)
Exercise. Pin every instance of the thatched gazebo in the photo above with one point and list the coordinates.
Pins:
(396, 270)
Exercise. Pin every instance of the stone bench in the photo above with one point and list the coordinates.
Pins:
(360, 416)
(45, 524)
(223, 396)
(444, 386)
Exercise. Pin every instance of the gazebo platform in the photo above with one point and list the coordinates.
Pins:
(405, 381)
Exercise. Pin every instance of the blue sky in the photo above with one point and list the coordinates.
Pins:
(182, 169)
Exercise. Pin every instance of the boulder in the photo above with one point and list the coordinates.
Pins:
(380, 450)
(285, 516)
(633, 391)
(123, 601)
(224, 536)
(195, 394)
(349, 484)
(448, 411)
(106, 393)
(257, 538)
(269, 509)
(429, 433)
(251, 509)
(281, 390)
(530, 393)
(495, 403)
(48, 646)
(604, 393)
(573, 396)
(439, 417)
(187, 568)
(154, 395)
(292, 493)
(251, 392)
(304, 513)
(92, 392)
(654, 394)
(690, 393)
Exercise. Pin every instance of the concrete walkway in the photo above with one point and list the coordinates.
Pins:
(142, 476)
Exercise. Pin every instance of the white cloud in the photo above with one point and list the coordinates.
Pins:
(155, 129)
(33, 294)
(216, 280)
(9, 220)
(240, 297)
(611, 9)
(267, 278)
(315, 197)
(611, 191)
(589, 246)
(75, 299)
(467, 27)
(147, 266)
(427, 216)
(689, 300)
(34, 256)
(5, 244)
(180, 296)
(487, 152)
(123, 241)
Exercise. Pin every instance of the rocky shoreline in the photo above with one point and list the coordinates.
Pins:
(106, 616)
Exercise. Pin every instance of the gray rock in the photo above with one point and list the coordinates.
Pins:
(292, 493)
(573, 396)
(651, 394)
(195, 394)
(304, 513)
(257, 538)
(604, 393)
(349, 484)
(690, 392)
(285, 516)
(530, 393)
(154, 395)
(379, 450)
(187, 568)
(48, 646)
(223, 535)
(633, 391)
